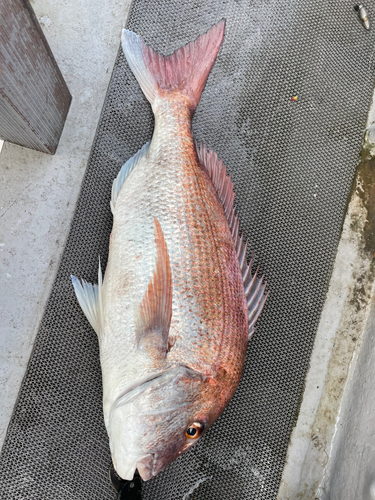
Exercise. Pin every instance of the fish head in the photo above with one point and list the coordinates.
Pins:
(158, 420)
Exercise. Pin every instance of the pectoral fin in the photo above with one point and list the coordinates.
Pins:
(155, 312)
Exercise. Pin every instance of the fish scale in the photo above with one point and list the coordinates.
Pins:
(178, 300)
(195, 243)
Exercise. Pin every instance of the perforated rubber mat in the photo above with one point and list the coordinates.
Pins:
(292, 165)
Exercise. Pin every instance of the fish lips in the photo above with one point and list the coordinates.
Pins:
(145, 467)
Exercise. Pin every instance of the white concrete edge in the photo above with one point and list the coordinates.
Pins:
(349, 473)
(337, 341)
(1, 145)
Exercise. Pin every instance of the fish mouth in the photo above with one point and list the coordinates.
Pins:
(145, 467)
(144, 464)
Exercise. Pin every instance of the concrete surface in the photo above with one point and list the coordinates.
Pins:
(38, 192)
(350, 473)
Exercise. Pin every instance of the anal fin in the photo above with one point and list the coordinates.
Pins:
(255, 288)
(91, 301)
(155, 312)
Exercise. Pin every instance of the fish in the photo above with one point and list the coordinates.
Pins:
(179, 300)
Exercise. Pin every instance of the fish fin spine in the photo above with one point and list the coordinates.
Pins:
(255, 288)
(90, 298)
(155, 311)
(124, 173)
(186, 69)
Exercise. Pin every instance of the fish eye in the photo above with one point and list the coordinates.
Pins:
(194, 430)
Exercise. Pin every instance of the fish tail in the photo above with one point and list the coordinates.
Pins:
(184, 71)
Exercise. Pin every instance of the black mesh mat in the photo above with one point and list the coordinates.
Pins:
(292, 164)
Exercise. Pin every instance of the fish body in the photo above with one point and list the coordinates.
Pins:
(172, 313)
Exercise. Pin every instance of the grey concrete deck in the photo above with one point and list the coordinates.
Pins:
(38, 192)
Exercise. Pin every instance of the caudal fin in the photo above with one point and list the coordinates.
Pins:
(186, 69)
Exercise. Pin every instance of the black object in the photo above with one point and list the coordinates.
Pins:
(292, 166)
(126, 490)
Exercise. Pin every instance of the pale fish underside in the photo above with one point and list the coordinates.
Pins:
(178, 300)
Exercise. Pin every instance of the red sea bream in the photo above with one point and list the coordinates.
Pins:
(178, 301)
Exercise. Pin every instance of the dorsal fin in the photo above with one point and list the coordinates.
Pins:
(155, 312)
(254, 287)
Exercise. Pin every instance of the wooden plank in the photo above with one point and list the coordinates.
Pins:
(34, 98)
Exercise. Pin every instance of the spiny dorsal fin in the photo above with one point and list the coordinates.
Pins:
(155, 312)
(126, 169)
(91, 301)
(254, 287)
